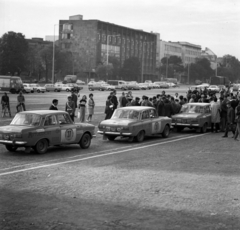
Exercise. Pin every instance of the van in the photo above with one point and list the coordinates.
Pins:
(119, 84)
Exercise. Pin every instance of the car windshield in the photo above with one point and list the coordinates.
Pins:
(193, 109)
(26, 119)
(126, 114)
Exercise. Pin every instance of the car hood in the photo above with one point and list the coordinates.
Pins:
(187, 115)
(15, 128)
(118, 122)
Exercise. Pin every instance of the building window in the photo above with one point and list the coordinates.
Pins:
(68, 36)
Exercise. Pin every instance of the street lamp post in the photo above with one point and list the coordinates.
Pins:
(53, 60)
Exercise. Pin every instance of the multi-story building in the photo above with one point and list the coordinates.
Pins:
(187, 51)
(212, 57)
(92, 42)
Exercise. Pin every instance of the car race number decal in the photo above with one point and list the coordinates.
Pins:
(156, 126)
(68, 135)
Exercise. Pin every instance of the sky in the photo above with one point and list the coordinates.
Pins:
(210, 23)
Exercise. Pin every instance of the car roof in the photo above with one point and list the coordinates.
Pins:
(137, 108)
(199, 104)
(43, 112)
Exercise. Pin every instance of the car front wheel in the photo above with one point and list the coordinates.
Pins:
(11, 148)
(85, 141)
(140, 137)
(41, 146)
(166, 131)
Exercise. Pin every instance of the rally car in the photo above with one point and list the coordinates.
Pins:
(135, 122)
(43, 128)
(194, 116)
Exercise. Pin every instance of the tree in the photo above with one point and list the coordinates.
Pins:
(131, 69)
(230, 68)
(13, 53)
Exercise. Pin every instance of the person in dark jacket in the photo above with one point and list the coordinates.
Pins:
(230, 120)
(114, 100)
(168, 110)
(223, 113)
(109, 108)
(54, 105)
(237, 119)
(136, 102)
(74, 98)
(70, 107)
(160, 107)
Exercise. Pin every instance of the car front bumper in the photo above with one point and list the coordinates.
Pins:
(114, 133)
(8, 142)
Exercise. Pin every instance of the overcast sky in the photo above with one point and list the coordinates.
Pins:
(210, 23)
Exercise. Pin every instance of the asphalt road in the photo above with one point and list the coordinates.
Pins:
(187, 181)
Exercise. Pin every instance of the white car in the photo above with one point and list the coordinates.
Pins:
(65, 87)
(109, 87)
(143, 86)
(214, 88)
(38, 88)
(154, 85)
(171, 84)
(27, 88)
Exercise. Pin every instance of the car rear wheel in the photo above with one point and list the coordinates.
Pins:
(38, 91)
(41, 146)
(11, 148)
(85, 141)
(204, 128)
(140, 137)
(166, 131)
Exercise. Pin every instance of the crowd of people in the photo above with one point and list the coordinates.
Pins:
(225, 109)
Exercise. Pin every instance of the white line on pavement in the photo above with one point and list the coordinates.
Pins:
(65, 158)
(92, 157)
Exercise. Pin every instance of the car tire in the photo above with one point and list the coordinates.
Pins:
(41, 146)
(166, 131)
(38, 91)
(204, 128)
(111, 138)
(140, 136)
(85, 141)
(11, 148)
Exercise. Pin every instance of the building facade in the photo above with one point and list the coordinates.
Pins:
(187, 51)
(92, 42)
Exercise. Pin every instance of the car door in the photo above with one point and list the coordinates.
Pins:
(52, 129)
(146, 122)
(156, 124)
(68, 129)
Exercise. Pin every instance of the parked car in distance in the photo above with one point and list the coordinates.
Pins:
(64, 87)
(52, 88)
(108, 87)
(154, 85)
(96, 86)
(135, 122)
(38, 88)
(214, 88)
(119, 84)
(235, 87)
(80, 82)
(194, 116)
(143, 86)
(132, 86)
(162, 85)
(27, 88)
(43, 128)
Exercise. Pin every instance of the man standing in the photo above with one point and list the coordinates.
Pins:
(54, 105)
(70, 107)
(5, 103)
(21, 101)
(224, 111)
(74, 98)
(230, 119)
(123, 100)
(136, 102)
(215, 111)
(114, 100)
(160, 107)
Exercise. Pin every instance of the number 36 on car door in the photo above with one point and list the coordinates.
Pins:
(68, 135)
